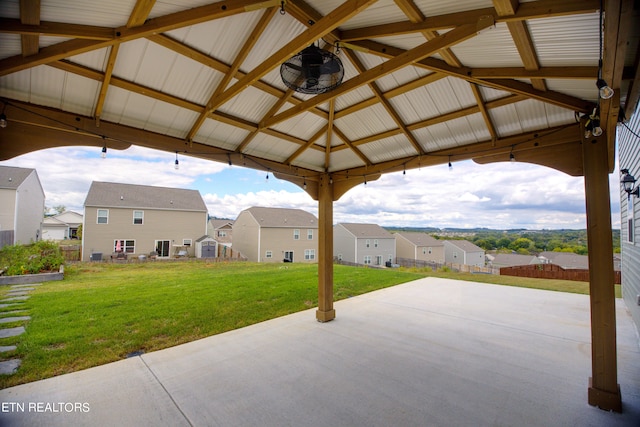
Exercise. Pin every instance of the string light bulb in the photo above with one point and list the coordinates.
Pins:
(450, 165)
(3, 120)
(512, 157)
(177, 163)
(104, 152)
(304, 184)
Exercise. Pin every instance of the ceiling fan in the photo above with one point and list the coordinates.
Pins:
(312, 71)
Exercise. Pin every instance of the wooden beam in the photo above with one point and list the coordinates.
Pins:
(325, 311)
(56, 29)
(604, 390)
(30, 15)
(140, 13)
(484, 111)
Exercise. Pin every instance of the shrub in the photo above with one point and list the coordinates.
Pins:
(35, 258)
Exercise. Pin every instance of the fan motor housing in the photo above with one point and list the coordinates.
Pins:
(312, 71)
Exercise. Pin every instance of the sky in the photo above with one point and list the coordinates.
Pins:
(509, 195)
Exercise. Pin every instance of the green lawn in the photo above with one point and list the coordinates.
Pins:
(102, 312)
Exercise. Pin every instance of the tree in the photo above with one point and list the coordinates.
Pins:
(59, 209)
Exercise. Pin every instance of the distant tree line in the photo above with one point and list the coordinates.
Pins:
(526, 242)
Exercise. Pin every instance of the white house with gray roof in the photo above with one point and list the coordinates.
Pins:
(276, 234)
(21, 206)
(367, 244)
(141, 220)
(463, 252)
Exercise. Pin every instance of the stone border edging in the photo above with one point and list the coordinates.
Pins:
(25, 279)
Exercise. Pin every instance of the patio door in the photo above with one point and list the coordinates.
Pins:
(288, 256)
(163, 248)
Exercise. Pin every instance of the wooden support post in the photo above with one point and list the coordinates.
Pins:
(604, 390)
(325, 310)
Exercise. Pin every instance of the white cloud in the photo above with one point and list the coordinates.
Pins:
(501, 195)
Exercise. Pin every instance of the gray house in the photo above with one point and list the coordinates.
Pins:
(135, 220)
(419, 246)
(629, 158)
(367, 244)
(21, 206)
(463, 252)
(511, 260)
(276, 234)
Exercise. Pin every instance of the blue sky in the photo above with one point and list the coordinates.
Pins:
(500, 196)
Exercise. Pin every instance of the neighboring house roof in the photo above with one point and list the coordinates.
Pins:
(12, 177)
(465, 245)
(566, 259)
(53, 222)
(116, 195)
(282, 217)
(420, 239)
(366, 231)
(220, 223)
(511, 260)
(69, 217)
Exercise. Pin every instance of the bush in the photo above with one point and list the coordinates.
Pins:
(40, 257)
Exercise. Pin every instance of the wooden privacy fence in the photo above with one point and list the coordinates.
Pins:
(71, 252)
(552, 271)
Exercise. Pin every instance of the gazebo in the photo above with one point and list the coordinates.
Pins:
(331, 94)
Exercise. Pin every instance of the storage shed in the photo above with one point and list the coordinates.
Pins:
(206, 247)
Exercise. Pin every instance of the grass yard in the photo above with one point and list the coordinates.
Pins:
(102, 312)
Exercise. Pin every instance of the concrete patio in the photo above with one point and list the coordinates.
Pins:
(433, 352)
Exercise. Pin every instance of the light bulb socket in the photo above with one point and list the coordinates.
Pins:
(605, 90)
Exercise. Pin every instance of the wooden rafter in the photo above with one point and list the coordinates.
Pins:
(522, 38)
(123, 34)
(242, 55)
(30, 15)
(507, 85)
(526, 11)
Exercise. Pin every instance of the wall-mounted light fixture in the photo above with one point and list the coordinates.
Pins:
(628, 181)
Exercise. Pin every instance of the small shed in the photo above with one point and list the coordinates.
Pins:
(206, 247)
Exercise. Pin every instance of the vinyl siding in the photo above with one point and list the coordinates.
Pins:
(158, 225)
(629, 156)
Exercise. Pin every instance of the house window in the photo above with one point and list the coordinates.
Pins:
(339, 257)
(424, 251)
(103, 216)
(138, 217)
(309, 254)
(429, 249)
(375, 243)
(367, 259)
(268, 254)
(126, 246)
(186, 242)
(367, 243)
(222, 233)
(310, 234)
(296, 234)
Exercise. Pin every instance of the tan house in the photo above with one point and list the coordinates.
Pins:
(137, 220)
(463, 252)
(367, 244)
(419, 246)
(221, 230)
(276, 235)
(21, 206)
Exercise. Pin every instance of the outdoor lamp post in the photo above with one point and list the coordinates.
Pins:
(628, 181)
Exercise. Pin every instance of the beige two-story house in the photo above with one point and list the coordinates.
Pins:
(21, 206)
(141, 220)
(276, 235)
(419, 246)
